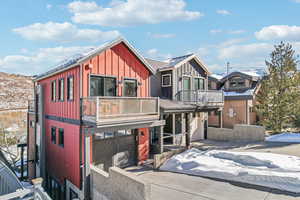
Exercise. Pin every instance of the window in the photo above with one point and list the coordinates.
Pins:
(102, 86)
(130, 88)
(53, 135)
(199, 83)
(31, 124)
(53, 90)
(61, 137)
(237, 83)
(166, 80)
(70, 88)
(61, 90)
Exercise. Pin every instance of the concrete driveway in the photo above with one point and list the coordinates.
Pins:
(174, 186)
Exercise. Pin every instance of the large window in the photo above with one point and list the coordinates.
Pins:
(70, 86)
(102, 86)
(130, 88)
(166, 80)
(53, 135)
(237, 83)
(61, 138)
(61, 89)
(199, 83)
(53, 90)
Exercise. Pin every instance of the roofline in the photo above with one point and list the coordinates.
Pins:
(108, 46)
(192, 56)
(232, 73)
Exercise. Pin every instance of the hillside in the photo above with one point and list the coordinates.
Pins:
(15, 91)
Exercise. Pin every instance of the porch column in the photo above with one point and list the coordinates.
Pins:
(183, 131)
(161, 139)
(221, 118)
(87, 169)
(188, 134)
(173, 128)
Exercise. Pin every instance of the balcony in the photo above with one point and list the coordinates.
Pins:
(111, 111)
(209, 98)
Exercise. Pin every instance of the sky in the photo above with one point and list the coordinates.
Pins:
(37, 34)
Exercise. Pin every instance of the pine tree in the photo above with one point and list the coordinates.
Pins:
(279, 92)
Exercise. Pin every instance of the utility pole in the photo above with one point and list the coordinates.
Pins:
(228, 67)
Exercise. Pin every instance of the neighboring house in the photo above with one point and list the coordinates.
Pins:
(182, 85)
(240, 89)
(214, 82)
(92, 108)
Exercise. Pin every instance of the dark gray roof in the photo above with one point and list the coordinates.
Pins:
(82, 56)
(168, 63)
(8, 180)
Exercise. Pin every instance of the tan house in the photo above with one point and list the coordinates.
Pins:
(240, 89)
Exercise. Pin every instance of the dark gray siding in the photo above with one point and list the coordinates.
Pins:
(166, 92)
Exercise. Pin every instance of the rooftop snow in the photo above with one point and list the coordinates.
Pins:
(245, 93)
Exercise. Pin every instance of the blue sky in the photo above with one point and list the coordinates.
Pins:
(35, 35)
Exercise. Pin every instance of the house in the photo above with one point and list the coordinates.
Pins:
(240, 89)
(94, 107)
(182, 85)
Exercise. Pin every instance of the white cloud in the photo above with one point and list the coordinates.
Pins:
(296, 1)
(223, 12)
(158, 35)
(63, 32)
(48, 6)
(236, 32)
(131, 12)
(215, 31)
(38, 61)
(247, 50)
(155, 54)
(281, 32)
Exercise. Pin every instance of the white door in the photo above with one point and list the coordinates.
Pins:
(197, 131)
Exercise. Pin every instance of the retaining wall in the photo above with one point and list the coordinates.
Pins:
(117, 185)
(240, 132)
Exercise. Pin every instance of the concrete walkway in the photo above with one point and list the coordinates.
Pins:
(173, 186)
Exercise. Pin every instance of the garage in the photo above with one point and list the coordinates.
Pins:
(115, 149)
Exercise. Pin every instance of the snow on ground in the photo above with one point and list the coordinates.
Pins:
(265, 169)
(284, 137)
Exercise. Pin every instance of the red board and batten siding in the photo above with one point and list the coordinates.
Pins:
(118, 61)
(121, 63)
(63, 162)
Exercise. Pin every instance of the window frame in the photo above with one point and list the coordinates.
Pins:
(68, 88)
(53, 91)
(136, 88)
(237, 81)
(103, 76)
(162, 80)
(61, 138)
(61, 90)
(200, 78)
(53, 137)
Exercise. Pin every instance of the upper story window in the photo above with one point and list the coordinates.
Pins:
(237, 83)
(199, 83)
(61, 136)
(53, 90)
(53, 135)
(130, 88)
(61, 89)
(70, 88)
(166, 80)
(103, 86)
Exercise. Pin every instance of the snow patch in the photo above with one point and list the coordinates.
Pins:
(284, 137)
(265, 169)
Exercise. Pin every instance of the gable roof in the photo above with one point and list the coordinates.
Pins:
(175, 62)
(81, 57)
(249, 75)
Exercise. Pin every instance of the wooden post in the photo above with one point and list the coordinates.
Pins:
(173, 128)
(221, 119)
(161, 139)
(183, 131)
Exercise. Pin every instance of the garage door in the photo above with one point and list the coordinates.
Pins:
(114, 149)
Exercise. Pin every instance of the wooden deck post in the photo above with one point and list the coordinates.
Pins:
(161, 139)
(173, 128)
